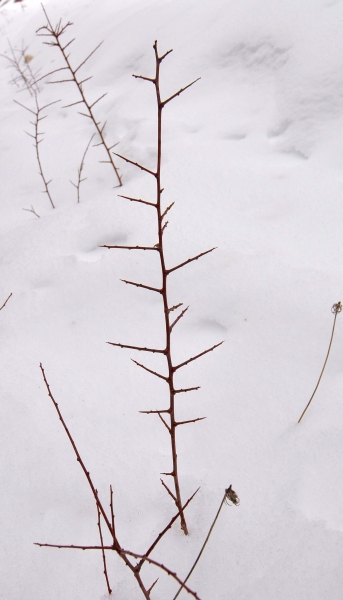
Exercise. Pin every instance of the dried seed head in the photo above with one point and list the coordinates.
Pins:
(337, 308)
(231, 495)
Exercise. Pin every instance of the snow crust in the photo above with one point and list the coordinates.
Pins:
(253, 158)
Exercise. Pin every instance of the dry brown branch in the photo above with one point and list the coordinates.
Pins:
(141, 348)
(150, 370)
(103, 552)
(80, 169)
(55, 33)
(38, 139)
(136, 164)
(138, 200)
(129, 247)
(197, 356)
(7, 299)
(178, 318)
(109, 522)
(161, 226)
(125, 553)
(160, 535)
(32, 210)
(141, 285)
(189, 260)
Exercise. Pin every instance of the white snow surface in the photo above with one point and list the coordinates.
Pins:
(253, 158)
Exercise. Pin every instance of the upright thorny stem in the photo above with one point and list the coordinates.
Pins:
(163, 290)
(55, 33)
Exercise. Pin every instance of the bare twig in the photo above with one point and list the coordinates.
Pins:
(80, 169)
(336, 309)
(7, 299)
(229, 494)
(37, 139)
(32, 210)
(55, 33)
(103, 552)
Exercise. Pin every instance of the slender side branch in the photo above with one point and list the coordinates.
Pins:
(150, 370)
(178, 318)
(138, 200)
(103, 552)
(7, 299)
(197, 356)
(135, 164)
(189, 260)
(78, 456)
(141, 285)
(130, 247)
(179, 92)
(160, 535)
(336, 309)
(137, 348)
(80, 169)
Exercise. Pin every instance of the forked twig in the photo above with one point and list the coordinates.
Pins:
(80, 179)
(55, 33)
(336, 308)
(32, 210)
(230, 495)
(109, 522)
(103, 551)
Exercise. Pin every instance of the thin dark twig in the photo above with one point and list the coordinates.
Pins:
(125, 553)
(150, 370)
(229, 494)
(186, 262)
(32, 210)
(78, 456)
(103, 552)
(80, 169)
(197, 356)
(337, 308)
(141, 348)
(7, 299)
(178, 318)
(160, 535)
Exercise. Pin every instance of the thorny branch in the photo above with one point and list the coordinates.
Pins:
(37, 139)
(109, 522)
(56, 32)
(161, 226)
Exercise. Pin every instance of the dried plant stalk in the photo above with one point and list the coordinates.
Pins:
(161, 213)
(229, 495)
(336, 309)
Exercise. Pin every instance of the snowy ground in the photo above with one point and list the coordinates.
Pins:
(253, 158)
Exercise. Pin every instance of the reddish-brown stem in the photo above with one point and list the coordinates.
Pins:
(110, 524)
(103, 552)
(123, 553)
(80, 179)
(161, 226)
(7, 299)
(55, 33)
